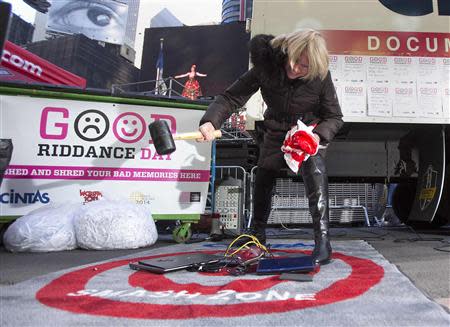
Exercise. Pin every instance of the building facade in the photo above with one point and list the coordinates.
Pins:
(100, 65)
(130, 30)
(20, 32)
(236, 10)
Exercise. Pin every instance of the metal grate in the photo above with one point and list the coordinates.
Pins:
(349, 203)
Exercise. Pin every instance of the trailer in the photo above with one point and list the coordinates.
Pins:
(390, 64)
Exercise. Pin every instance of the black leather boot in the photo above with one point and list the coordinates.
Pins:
(316, 186)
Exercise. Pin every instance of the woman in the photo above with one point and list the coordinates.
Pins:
(192, 88)
(291, 71)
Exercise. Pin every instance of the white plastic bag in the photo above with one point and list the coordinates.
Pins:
(108, 225)
(46, 229)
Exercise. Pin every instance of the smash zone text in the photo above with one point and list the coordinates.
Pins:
(221, 296)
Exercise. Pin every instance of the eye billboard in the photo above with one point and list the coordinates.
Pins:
(102, 20)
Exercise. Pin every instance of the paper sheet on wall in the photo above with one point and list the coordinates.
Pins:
(379, 68)
(379, 99)
(445, 68)
(429, 99)
(428, 70)
(404, 100)
(446, 101)
(354, 68)
(335, 68)
(354, 99)
(404, 68)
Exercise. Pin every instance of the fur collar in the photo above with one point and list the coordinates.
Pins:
(268, 61)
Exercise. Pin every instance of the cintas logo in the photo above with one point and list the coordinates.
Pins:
(417, 7)
(13, 197)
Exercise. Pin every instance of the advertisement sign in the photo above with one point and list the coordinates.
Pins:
(18, 64)
(81, 151)
(99, 20)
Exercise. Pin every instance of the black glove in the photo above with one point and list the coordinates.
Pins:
(40, 5)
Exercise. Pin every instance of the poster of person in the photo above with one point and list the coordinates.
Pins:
(101, 20)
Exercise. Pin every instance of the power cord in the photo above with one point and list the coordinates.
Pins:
(418, 238)
(442, 247)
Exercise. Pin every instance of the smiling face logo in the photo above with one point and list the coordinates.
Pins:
(129, 127)
(91, 125)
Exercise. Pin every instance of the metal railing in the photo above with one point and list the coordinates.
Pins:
(168, 86)
(348, 202)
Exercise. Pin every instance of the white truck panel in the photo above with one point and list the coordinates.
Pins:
(373, 47)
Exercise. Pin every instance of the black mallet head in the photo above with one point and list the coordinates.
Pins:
(162, 137)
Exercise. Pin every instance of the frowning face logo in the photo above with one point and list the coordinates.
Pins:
(91, 125)
(129, 127)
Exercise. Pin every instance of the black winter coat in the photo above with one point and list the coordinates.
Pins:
(314, 102)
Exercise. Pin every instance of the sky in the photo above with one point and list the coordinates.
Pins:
(189, 12)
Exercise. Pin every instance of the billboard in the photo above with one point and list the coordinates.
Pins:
(80, 151)
(101, 20)
(18, 64)
(219, 51)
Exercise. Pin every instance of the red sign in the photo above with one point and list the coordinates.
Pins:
(18, 64)
(387, 43)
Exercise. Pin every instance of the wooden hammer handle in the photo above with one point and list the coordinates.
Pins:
(194, 135)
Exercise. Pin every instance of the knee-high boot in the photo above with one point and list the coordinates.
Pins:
(316, 186)
(264, 181)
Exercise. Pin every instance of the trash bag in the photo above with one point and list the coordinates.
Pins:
(108, 225)
(46, 229)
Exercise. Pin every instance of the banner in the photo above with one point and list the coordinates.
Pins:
(80, 151)
(99, 20)
(18, 64)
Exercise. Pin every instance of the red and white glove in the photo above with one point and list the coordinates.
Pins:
(299, 144)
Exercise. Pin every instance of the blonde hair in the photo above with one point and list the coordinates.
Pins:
(308, 42)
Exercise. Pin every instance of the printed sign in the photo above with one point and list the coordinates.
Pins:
(354, 101)
(379, 99)
(405, 99)
(102, 21)
(77, 151)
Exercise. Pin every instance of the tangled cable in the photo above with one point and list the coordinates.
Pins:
(246, 256)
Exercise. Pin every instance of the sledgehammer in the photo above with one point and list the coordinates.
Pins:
(164, 140)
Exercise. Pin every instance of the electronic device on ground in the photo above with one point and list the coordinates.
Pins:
(173, 263)
(285, 264)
